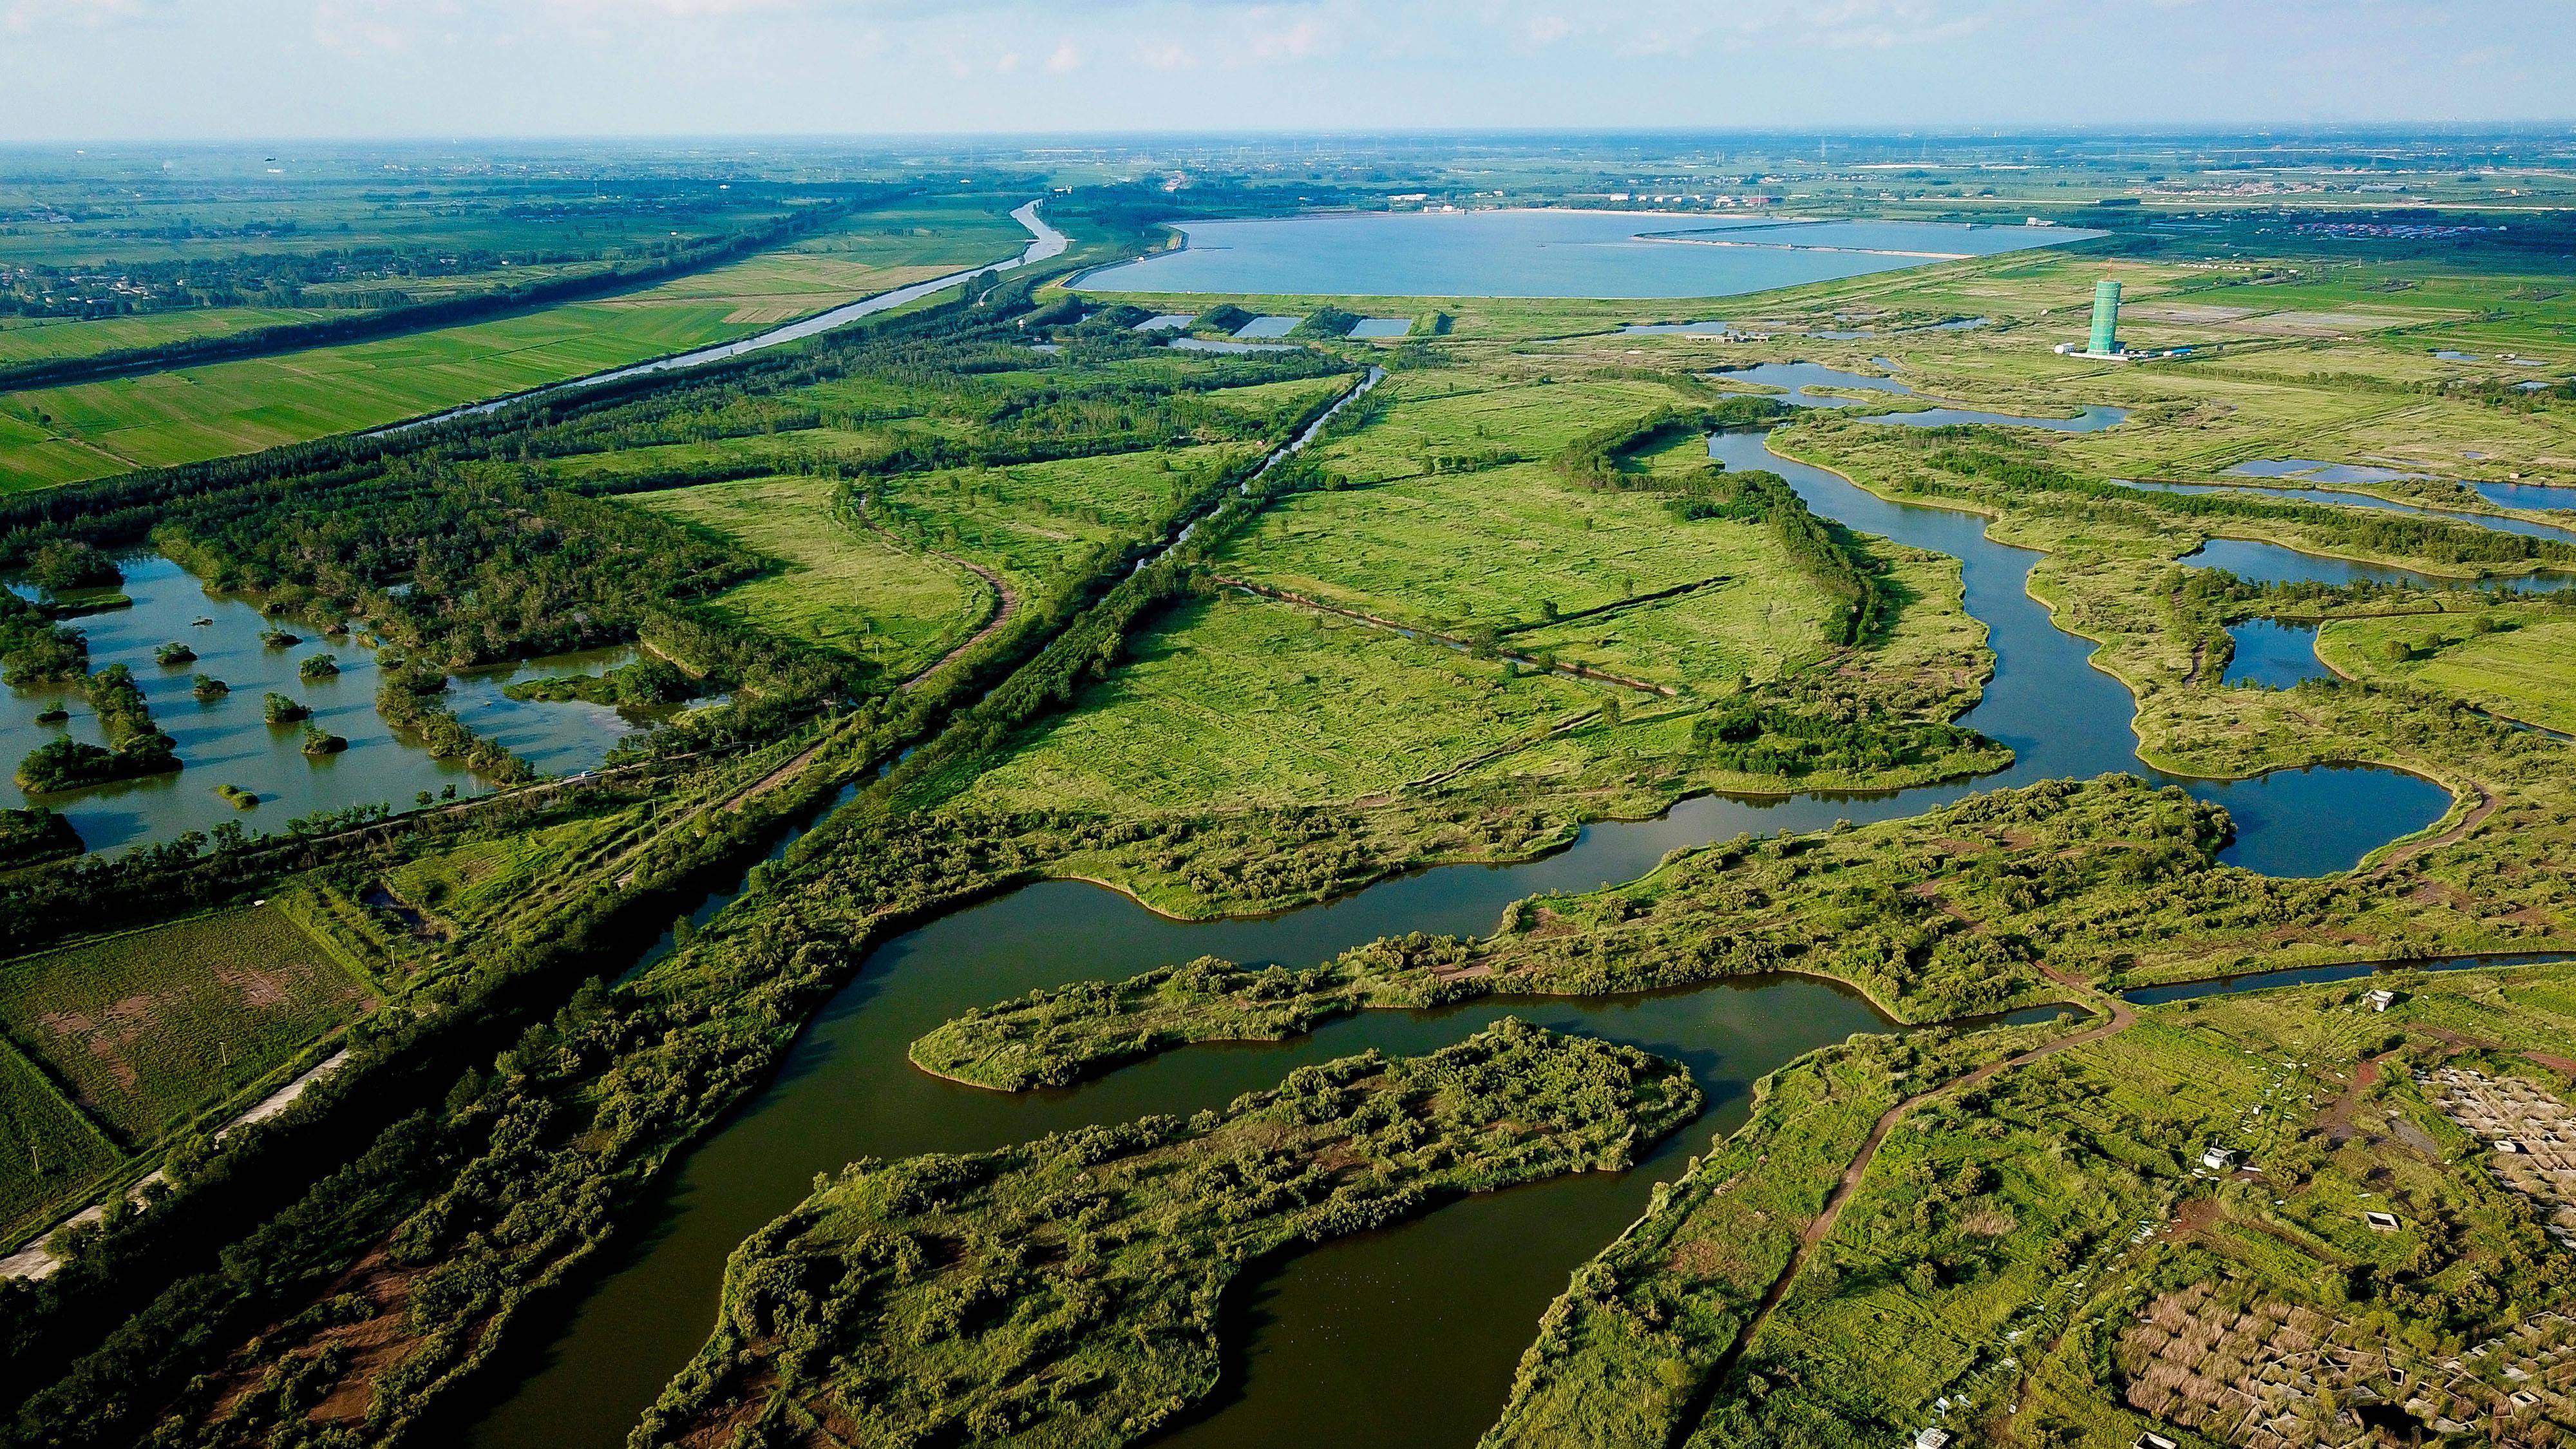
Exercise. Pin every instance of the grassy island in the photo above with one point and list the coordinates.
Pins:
(1068, 1292)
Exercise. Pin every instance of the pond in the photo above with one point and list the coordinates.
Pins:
(1219, 344)
(1264, 328)
(1375, 328)
(2273, 655)
(2317, 472)
(1540, 253)
(1415, 1330)
(227, 741)
(2527, 495)
(2272, 563)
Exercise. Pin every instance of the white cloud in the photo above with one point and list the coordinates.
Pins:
(1270, 44)
(25, 15)
(1065, 59)
(1163, 53)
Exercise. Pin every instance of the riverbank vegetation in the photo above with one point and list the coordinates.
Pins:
(1504, 596)
(1068, 1291)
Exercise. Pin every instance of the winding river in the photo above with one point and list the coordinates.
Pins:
(1405, 1337)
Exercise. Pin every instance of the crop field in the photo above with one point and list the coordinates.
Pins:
(52, 1151)
(86, 430)
(841, 585)
(874, 251)
(1308, 708)
(150, 1027)
(2525, 670)
(25, 339)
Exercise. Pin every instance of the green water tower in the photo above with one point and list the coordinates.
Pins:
(2106, 316)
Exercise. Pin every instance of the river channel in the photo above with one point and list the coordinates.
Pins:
(1045, 243)
(1405, 1337)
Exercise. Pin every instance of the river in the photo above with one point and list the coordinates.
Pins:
(1405, 1337)
(1046, 243)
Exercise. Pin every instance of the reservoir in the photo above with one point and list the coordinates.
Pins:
(1408, 1336)
(1542, 253)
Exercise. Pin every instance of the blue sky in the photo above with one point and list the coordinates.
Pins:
(209, 69)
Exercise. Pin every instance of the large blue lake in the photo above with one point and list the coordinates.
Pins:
(1545, 254)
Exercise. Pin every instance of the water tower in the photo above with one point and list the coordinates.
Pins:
(2106, 318)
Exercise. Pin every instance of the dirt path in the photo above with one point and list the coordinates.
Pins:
(2337, 1119)
(37, 1260)
(2477, 816)
(1001, 616)
(2122, 1017)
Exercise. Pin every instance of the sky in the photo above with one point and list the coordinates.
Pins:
(274, 69)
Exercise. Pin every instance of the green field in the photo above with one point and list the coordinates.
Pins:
(1038, 524)
(151, 1027)
(474, 885)
(2525, 670)
(87, 430)
(1234, 702)
(1511, 547)
(840, 584)
(53, 1153)
(25, 339)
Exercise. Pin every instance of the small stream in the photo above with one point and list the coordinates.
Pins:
(1405, 1337)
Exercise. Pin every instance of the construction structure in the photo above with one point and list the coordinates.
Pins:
(2106, 319)
(2104, 343)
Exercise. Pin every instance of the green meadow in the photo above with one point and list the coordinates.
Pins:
(87, 430)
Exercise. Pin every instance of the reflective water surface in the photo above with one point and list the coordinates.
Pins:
(1405, 1337)
(1541, 253)
(227, 741)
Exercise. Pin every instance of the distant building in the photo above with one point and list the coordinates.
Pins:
(2219, 1159)
(2381, 1000)
(2106, 318)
